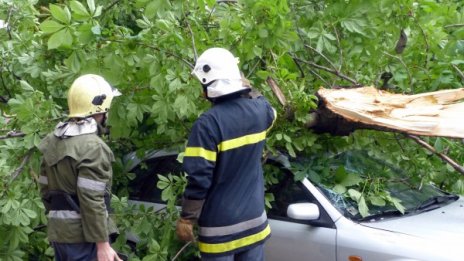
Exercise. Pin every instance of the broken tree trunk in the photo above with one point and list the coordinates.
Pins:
(342, 111)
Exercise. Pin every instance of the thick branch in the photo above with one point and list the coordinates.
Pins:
(277, 91)
(110, 6)
(8, 27)
(444, 157)
(454, 25)
(405, 67)
(159, 50)
(12, 134)
(335, 72)
(461, 75)
(20, 169)
(322, 55)
(195, 54)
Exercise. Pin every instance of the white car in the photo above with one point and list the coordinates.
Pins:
(313, 223)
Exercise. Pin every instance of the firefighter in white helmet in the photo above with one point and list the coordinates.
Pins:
(225, 191)
(76, 175)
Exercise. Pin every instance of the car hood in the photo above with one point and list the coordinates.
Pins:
(445, 223)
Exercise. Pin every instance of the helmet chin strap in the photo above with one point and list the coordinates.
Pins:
(205, 91)
(102, 128)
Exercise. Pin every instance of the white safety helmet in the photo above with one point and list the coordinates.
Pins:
(217, 70)
(90, 94)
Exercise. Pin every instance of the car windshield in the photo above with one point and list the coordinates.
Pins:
(366, 188)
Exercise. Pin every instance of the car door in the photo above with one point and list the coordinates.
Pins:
(143, 188)
(292, 239)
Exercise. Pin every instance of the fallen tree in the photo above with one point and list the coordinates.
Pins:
(438, 114)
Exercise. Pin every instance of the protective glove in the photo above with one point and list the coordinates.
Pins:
(184, 229)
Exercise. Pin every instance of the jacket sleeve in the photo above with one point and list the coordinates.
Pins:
(43, 182)
(199, 163)
(271, 115)
(94, 178)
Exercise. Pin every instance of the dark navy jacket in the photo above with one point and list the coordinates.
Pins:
(223, 163)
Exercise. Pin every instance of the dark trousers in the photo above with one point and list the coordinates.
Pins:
(75, 252)
(253, 254)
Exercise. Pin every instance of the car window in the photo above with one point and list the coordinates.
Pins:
(143, 187)
(358, 170)
(286, 191)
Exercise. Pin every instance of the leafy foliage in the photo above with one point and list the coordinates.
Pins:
(146, 49)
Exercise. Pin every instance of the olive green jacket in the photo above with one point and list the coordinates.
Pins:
(79, 165)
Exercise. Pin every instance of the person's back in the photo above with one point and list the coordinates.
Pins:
(225, 189)
(66, 162)
(240, 126)
(76, 175)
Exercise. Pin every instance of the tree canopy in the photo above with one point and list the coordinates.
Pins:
(147, 48)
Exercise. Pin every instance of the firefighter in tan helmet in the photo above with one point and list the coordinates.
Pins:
(76, 175)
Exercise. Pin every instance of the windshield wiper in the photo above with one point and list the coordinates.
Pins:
(435, 202)
(383, 214)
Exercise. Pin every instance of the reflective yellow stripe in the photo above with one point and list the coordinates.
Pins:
(229, 246)
(200, 152)
(274, 120)
(242, 141)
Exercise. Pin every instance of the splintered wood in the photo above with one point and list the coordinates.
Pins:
(437, 113)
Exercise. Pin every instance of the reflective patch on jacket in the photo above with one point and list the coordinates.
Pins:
(43, 180)
(91, 184)
(64, 214)
(232, 229)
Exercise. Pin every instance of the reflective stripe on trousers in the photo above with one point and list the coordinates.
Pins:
(256, 254)
(217, 248)
(232, 229)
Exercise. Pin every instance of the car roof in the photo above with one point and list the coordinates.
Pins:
(131, 160)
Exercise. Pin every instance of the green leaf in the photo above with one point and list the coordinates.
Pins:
(459, 186)
(354, 25)
(96, 30)
(163, 24)
(79, 9)
(142, 23)
(98, 11)
(25, 86)
(354, 194)
(73, 62)
(340, 189)
(182, 105)
(377, 201)
(397, 203)
(438, 145)
(50, 26)
(351, 180)
(61, 14)
(151, 9)
(290, 150)
(91, 5)
(60, 38)
(314, 33)
(457, 62)
(263, 33)
(287, 138)
(362, 207)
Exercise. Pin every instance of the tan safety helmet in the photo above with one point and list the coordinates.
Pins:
(90, 94)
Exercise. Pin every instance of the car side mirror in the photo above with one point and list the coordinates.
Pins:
(303, 211)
